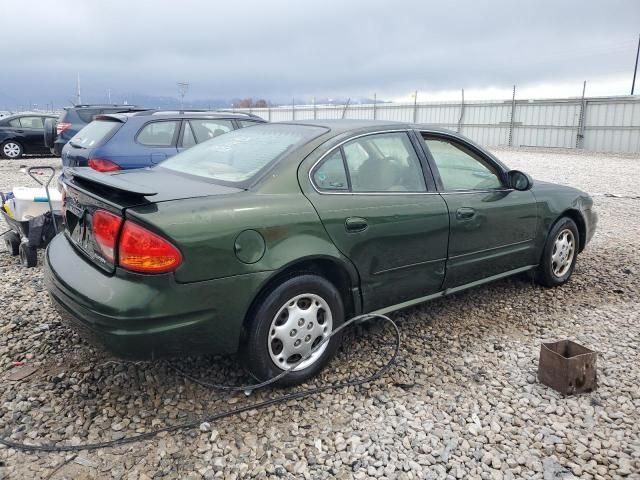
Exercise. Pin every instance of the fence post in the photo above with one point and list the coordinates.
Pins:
(513, 112)
(314, 108)
(269, 111)
(415, 107)
(375, 101)
(293, 108)
(580, 133)
(344, 111)
(461, 113)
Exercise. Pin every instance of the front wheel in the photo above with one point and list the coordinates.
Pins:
(288, 324)
(11, 149)
(559, 254)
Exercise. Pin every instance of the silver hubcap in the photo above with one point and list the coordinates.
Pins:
(11, 150)
(299, 326)
(563, 251)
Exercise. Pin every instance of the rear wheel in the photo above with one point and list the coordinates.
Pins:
(28, 255)
(11, 149)
(560, 254)
(12, 242)
(288, 324)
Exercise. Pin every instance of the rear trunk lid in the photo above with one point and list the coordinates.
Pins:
(87, 190)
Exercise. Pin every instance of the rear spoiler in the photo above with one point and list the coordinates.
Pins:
(110, 180)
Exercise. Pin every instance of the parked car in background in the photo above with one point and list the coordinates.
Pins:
(22, 134)
(265, 240)
(140, 139)
(57, 134)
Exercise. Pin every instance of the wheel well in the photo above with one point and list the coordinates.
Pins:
(577, 217)
(330, 270)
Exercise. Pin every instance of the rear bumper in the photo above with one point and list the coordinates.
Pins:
(147, 316)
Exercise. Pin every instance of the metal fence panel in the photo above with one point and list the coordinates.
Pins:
(609, 124)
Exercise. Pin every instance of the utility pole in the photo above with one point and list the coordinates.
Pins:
(109, 96)
(78, 96)
(183, 87)
(635, 70)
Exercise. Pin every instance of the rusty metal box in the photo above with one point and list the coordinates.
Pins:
(567, 367)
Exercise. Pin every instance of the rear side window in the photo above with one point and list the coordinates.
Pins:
(205, 130)
(158, 134)
(331, 175)
(32, 122)
(87, 114)
(94, 134)
(385, 162)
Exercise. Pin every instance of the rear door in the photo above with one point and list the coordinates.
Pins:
(382, 213)
(160, 139)
(32, 132)
(492, 225)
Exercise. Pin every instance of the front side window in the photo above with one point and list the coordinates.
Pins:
(158, 134)
(331, 175)
(241, 154)
(205, 130)
(385, 162)
(460, 168)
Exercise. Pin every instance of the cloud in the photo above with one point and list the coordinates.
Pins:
(280, 49)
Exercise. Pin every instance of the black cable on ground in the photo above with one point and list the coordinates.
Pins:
(4, 439)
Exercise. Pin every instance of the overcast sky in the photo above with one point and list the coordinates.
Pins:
(281, 49)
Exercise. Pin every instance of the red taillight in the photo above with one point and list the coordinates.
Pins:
(144, 251)
(103, 165)
(62, 126)
(105, 226)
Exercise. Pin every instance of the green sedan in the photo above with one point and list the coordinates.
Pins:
(266, 239)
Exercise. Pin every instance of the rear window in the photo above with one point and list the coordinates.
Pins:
(94, 134)
(240, 155)
(87, 114)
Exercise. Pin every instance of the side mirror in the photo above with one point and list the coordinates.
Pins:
(519, 180)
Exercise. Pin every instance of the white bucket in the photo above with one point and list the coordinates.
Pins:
(31, 202)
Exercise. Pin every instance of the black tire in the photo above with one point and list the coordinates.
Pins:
(12, 242)
(545, 274)
(13, 147)
(28, 255)
(255, 350)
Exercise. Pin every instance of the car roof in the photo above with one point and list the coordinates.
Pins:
(348, 125)
(169, 114)
(103, 105)
(29, 114)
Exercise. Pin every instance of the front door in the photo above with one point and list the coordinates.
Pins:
(372, 197)
(492, 226)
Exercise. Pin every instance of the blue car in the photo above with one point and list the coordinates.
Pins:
(121, 141)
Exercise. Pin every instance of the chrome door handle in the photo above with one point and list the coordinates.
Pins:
(465, 213)
(355, 224)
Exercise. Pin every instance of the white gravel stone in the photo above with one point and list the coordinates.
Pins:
(463, 400)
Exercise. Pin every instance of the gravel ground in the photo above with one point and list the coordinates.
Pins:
(462, 402)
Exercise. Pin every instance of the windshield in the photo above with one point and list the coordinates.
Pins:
(240, 155)
(94, 133)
